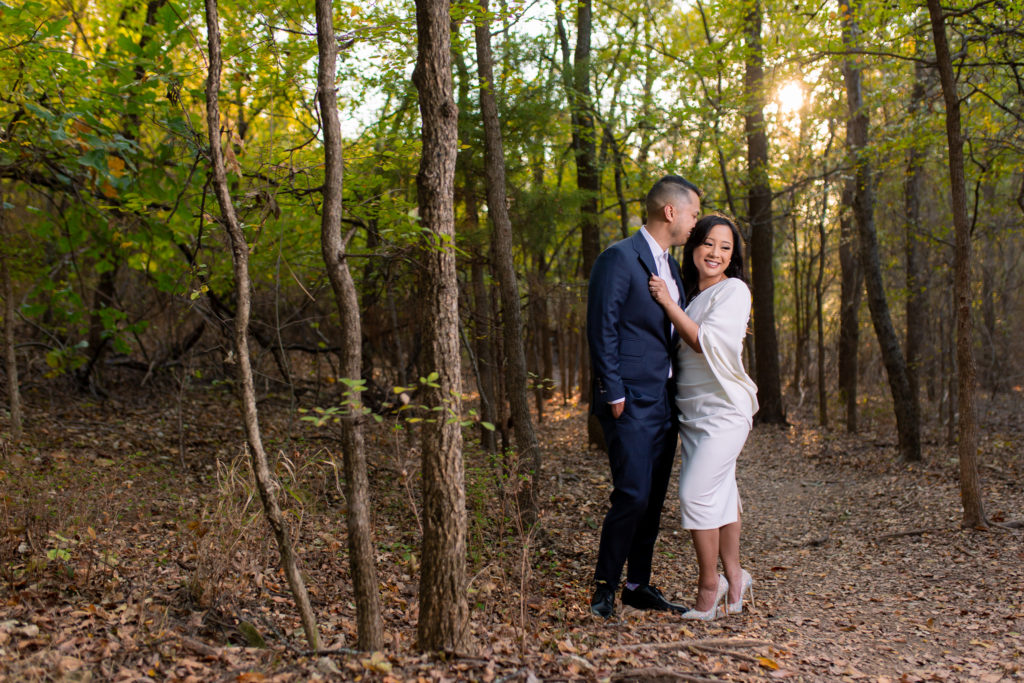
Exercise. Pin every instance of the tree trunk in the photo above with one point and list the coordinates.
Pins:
(967, 447)
(102, 297)
(801, 321)
(443, 607)
(584, 136)
(483, 328)
(819, 297)
(10, 357)
(361, 546)
(916, 309)
(759, 214)
(504, 267)
(905, 405)
(991, 377)
(851, 283)
(620, 173)
(240, 257)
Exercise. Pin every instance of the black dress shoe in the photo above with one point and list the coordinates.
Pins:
(649, 597)
(603, 602)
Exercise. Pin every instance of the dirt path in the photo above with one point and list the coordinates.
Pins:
(862, 571)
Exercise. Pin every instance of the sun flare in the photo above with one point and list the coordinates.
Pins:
(791, 97)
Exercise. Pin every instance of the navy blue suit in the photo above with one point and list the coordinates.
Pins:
(631, 351)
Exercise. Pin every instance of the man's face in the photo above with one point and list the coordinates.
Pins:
(686, 215)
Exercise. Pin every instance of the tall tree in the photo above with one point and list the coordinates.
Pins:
(497, 209)
(850, 288)
(584, 132)
(967, 444)
(917, 322)
(247, 393)
(904, 404)
(759, 213)
(10, 356)
(361, 548)
(443, 606)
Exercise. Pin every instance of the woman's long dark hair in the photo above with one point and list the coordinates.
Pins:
(697, 236)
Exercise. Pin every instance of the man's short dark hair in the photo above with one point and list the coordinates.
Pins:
(667, 190)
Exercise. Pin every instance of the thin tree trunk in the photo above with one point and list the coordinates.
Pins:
(102, 297)
(967, 447)
(10, 357)
(361, 546)
(759, 211)
(990, 375)
(851, 284)
(534, 347)
(247, 394)
(819, 297)
(444, 610)
(565, 370)
(800, 321)
(512, 322)
(483, 328)
(905, 405)
(916, 309)
(584, 136)
(588, 177)
(620, 192)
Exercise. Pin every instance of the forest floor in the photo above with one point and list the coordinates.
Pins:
(132, 548)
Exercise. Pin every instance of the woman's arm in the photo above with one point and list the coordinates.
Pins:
(684, 325)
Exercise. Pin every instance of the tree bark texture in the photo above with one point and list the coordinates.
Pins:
(967, 446)
(247, 394)
(584, 133)
(10, 356)
(759, 213)
(851, 286)
(905, 404)
(361, 547)
(504, 267)
(916, 307)
(483, 328)
(819, 296)
(443, 606)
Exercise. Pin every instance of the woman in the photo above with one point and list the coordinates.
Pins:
(716, 401)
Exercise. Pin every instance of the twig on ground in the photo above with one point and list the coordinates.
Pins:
(680, 644)
(200, 648)
(721, 651)
(1015, 524)
(657, 673)
(911, 532)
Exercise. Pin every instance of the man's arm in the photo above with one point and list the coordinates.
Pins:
(609, 286)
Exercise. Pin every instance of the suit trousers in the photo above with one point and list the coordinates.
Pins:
(641, 448)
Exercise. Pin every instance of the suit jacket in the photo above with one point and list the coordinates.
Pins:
(630, 337)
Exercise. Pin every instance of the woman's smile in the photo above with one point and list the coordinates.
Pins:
(712, 256)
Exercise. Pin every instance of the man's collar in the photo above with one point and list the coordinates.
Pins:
(656, 249)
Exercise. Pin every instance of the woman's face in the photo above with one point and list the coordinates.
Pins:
(713, 255)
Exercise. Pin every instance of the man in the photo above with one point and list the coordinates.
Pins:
(631, 350)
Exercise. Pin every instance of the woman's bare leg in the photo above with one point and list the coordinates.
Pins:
(729, 551)
(706, 543)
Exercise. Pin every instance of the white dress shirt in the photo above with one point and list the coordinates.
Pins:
(661, 262)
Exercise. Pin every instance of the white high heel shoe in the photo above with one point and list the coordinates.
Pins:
(716, 610)
(746, 586)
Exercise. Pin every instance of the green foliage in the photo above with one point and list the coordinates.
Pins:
(106, 176)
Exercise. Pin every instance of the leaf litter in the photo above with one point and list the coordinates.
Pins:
(134, 549)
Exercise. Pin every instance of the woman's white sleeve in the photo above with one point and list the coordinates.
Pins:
(721, 334)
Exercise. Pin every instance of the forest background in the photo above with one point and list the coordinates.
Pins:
(411, 275)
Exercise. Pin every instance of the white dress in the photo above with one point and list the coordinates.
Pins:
(717, 402)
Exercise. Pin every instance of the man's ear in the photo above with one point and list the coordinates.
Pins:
(668, 212)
